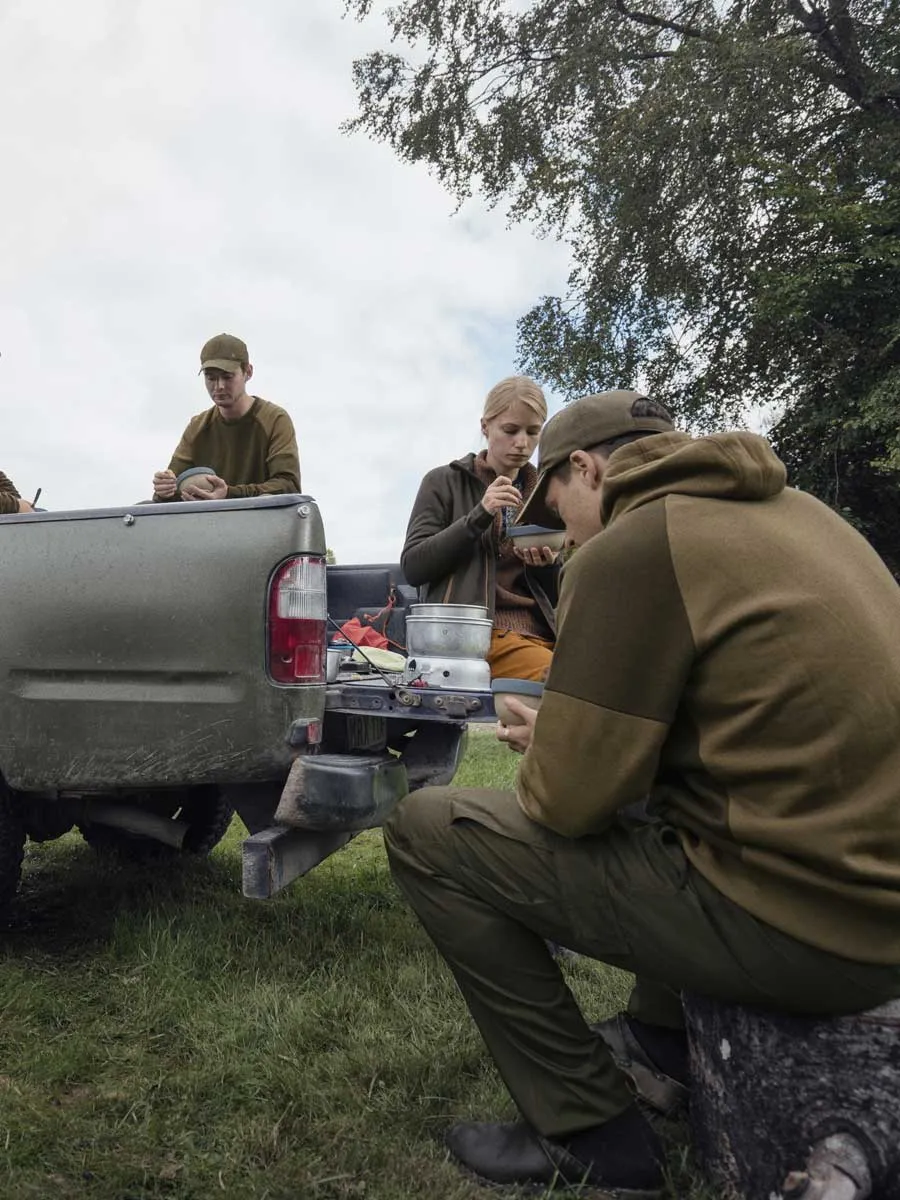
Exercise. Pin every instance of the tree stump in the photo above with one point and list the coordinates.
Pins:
(790, 1108)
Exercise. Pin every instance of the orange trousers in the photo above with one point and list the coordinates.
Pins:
(519, 656)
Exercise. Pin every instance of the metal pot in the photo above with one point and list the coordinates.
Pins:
(476, 612)
(334, 656)
(447, 637)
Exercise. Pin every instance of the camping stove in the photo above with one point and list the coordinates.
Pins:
(460, 674)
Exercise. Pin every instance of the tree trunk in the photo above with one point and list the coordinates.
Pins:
(789, 1107)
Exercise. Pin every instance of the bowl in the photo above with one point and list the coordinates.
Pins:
(198, 476)
(527, 537)
(529, 691)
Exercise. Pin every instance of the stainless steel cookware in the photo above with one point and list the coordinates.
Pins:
(334, 656)
(476, 611)
(448, 637)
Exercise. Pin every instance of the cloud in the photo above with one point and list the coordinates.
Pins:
(173, 171)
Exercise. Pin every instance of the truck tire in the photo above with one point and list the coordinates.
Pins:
(206, 812)
(12, 847)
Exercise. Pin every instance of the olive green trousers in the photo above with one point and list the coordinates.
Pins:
(491, 887)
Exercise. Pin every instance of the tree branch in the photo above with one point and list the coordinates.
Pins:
(654, 22)
(835, 35)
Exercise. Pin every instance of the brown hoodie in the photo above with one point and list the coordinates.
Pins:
(732, 648)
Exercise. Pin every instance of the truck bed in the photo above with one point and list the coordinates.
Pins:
(132, 644)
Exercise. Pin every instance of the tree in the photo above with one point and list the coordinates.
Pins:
(700, 158)
(840, 434)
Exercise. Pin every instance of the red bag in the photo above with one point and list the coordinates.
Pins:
(363, 635)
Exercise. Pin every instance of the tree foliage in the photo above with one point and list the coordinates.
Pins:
(682, 147)
(725, 171)
(839, 313)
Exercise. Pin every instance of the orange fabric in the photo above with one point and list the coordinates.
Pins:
(363, 635)
(518, 656)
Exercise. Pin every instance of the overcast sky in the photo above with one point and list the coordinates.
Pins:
(175, 170)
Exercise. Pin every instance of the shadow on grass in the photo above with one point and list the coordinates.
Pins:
(75, 903)
(71, 896)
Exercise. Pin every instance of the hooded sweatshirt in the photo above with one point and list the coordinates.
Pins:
(451, 554)
(731, 648)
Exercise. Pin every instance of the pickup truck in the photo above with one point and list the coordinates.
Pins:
(163, 666)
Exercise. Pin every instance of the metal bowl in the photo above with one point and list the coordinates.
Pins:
(475, 612)
(528, 691)
(448, 637)
(333, 659)
(527, 537)
(198, 476)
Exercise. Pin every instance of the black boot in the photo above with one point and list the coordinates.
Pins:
(621, 1158)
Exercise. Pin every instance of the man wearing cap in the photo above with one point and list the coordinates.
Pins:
(729, 647)
(249, 443)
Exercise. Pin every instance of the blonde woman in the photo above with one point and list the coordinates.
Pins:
(457, 550)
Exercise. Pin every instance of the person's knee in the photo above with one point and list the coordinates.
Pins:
(419, 819)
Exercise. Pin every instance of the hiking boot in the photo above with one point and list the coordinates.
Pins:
(619, 1160)
(665, 1093)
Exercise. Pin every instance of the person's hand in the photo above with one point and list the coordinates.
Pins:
(536, 556)
(164, 485)
(518, 737)
(26, 506)
(502, 493)
(219, 490)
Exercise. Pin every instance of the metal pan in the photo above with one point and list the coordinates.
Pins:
(472, 612)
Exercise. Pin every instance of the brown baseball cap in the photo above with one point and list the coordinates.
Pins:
(224, 352)
(579, 426)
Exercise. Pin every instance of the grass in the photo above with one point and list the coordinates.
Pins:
(161, 1036)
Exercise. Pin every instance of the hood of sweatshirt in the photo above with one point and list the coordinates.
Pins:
(466, 463)
(723, 466)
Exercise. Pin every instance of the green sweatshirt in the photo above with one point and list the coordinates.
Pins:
(9, 497)
(731, 647)
(256, 455)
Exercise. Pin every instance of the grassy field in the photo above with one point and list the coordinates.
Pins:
(161, 1036)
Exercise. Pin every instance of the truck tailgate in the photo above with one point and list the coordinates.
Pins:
(132, 644)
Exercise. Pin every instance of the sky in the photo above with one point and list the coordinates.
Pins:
(172, 171)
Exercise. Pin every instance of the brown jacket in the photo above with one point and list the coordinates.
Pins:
(732, 647)
(9, 496)
(449, 553)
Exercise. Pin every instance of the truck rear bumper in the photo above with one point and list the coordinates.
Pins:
(328, 798)
(347, 792)
(419, 704)
(276, 857)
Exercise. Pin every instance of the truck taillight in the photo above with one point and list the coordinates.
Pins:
(297, 613)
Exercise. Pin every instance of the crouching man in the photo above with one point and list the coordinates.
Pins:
(731, 648)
